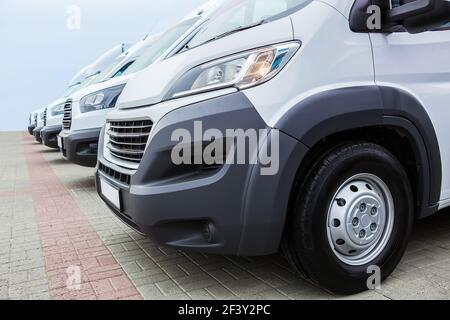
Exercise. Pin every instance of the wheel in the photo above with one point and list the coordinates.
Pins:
(352, 211)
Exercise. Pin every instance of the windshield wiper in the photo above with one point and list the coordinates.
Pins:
(236, 30)
(227, 33)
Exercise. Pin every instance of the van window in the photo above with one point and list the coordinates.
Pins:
(240, 14)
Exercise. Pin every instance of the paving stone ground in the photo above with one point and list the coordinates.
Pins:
(51, 219)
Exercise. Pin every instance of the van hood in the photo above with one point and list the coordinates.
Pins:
(80, 94)
(57, 103)
(152, 84)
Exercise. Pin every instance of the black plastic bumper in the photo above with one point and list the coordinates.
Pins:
(50, 136)
(80, 147)
(231, 209)
(37, 134)
(31, 129)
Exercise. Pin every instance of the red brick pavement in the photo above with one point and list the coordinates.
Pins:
(68, 240)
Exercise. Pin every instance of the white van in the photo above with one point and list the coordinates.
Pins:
(39, 124)
(55, 111)
(87, 109)
(352, 116)
(32, 120)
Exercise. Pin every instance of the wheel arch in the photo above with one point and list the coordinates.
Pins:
(330, 117)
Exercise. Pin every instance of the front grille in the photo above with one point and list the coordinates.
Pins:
(128, 139)
(67, 119)
(45, 117)
(122, 177)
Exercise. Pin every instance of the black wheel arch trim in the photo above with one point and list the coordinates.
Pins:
(343, 109)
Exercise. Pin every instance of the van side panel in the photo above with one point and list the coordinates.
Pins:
(420, 64)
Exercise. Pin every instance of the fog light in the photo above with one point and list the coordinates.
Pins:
(209, 232)
(93, 147)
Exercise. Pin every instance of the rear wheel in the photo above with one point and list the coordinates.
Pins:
(353, 211)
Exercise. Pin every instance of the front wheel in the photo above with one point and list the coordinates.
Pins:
(352, 212)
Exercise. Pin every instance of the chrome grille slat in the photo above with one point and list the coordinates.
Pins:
(67, 119)
(127, 143)
(125, 127)
(131, 159)
(124, 151)
(127, 140)
(127, 135)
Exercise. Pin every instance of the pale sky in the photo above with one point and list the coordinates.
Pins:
(39, 54)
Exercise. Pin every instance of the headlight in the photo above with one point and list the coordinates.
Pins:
(100, 100)
(58, 110)
(242, 71)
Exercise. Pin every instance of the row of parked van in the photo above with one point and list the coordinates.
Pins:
(358, 110)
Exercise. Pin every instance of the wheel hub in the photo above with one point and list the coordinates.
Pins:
(360, 219)
(363, 227)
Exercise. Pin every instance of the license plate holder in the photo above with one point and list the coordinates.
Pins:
(111, 193)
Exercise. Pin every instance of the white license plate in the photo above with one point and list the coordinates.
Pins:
(60, 142)
(110, 193)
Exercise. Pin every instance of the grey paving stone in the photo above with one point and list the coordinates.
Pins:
(163, 273)
(151, 292)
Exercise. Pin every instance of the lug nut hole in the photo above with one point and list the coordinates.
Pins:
(336, 223)
(341, 202)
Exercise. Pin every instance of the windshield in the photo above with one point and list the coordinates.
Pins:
(240, 14)
(122, 70)
(107, 59)
(124, 61)
(161, 45)
(78, 78)
(71, 89)
(80, 85)
(102, 75)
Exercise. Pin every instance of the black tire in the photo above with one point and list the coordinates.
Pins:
(306, 243)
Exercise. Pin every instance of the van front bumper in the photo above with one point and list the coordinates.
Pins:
(230, 209)
(50, 136)
(37, 134)
(80, 147)
(31, 129)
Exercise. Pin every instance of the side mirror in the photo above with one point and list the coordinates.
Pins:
(413, 15)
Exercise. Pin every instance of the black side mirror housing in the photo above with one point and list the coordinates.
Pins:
(425, 15)
(414, 16)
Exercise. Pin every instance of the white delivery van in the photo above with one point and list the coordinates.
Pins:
(82, 137)
(32, 122)
(87, 109)
(55, 111)
(40, 123)
(345, 125)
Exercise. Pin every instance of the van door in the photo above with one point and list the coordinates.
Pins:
(420, 64)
